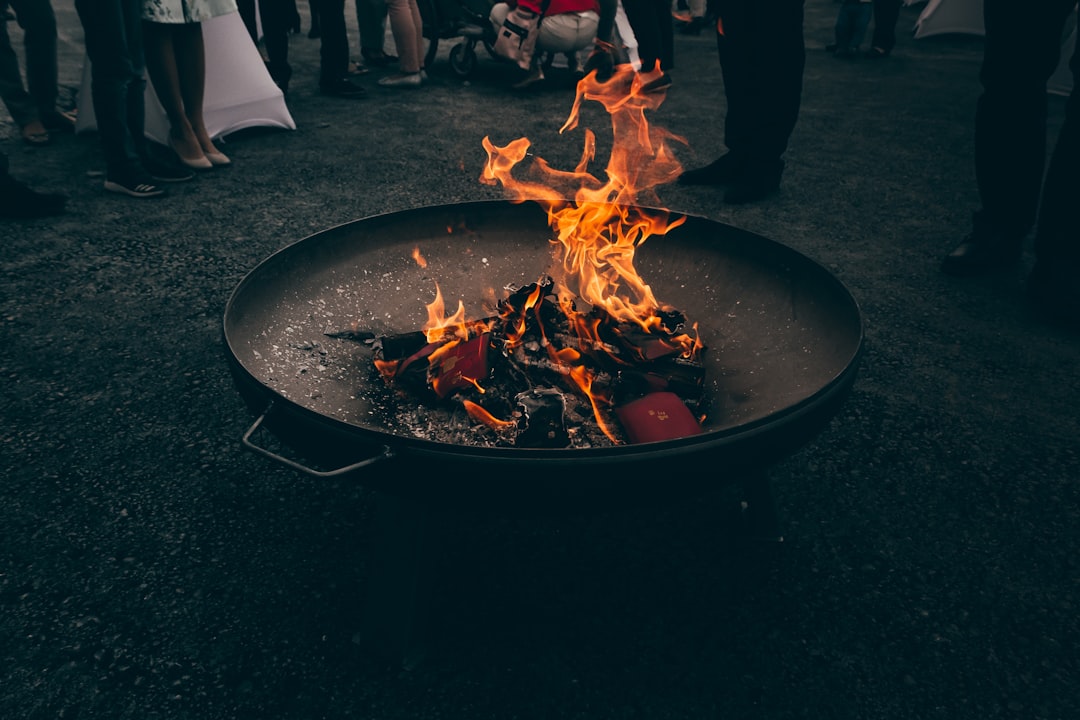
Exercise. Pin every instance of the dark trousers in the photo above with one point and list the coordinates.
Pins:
(886, 15)
(654, 31)
(762, 56)
(112, 33)
(1021, 52)
(277, 18)
(37, 100)
(334, 47)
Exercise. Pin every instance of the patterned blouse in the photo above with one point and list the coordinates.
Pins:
(185, 11)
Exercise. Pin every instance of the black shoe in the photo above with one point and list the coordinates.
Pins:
(167, 172)
(987, 249)
(344, 88)
(134, 184)
(751, 188)
(377, 58)
(724, 171)
(876, 53)
(1053, 295)
(19, 202)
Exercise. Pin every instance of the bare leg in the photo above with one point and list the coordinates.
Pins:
(191, 67)
(163, 67)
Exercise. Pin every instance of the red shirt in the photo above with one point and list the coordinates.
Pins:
(558, 7)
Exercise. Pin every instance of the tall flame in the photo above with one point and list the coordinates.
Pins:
(600, 227)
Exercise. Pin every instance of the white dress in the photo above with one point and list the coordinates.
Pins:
(185, 11)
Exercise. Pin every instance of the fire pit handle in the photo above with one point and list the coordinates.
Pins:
(385, 454)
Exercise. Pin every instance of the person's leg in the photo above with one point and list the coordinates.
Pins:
(886, 15)
(762, 56)
(843, 29)
(371, 18)
(191, 74)
(13, 92)
(38, 21)
(1020, 53)
(162, 65)
(113, 37)
(277, 21)
(861, 16)
(407, 29)
(334, 45)
(1057, 233)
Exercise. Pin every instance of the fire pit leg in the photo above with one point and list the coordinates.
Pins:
(758, 517)
(396, 615)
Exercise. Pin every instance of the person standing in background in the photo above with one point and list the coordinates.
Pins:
(1021, 51)
(407, 27)
(654, 30)
(33, 105)
(278, 18)
(176, 63)
(852, 20)
(334, 77)
(371, 16)
(762, 57)
(886, 15)
(112, 31)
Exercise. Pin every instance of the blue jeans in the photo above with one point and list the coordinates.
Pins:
(113, 36)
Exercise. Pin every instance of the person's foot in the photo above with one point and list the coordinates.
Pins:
(190, 154)
(876, 53)
(1054, 295)
(376, 58)
(723, 171)
(534, 76)
(406, 80)
(986, 249)
(166, 172)
(752, 187)
(134, 184)
(34, 133)
(60, 121)
(19, 202)
(343, 88)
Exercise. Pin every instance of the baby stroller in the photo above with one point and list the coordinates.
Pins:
(465, 19)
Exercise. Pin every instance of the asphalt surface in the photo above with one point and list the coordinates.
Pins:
(151, 567)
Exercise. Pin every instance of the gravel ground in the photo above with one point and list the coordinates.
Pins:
(150, 567)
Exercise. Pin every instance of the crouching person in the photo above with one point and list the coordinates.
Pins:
(526, 30)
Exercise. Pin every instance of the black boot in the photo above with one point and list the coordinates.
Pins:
(724, 171)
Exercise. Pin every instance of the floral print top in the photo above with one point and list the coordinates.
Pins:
(185, 11)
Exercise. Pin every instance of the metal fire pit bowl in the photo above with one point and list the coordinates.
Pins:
(783, 336)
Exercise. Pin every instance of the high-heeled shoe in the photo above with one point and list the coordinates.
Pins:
(217, 158)
(199, 163)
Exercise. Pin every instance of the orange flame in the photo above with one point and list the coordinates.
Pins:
(481, 415)
(600, 228)
(599, 224)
